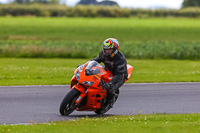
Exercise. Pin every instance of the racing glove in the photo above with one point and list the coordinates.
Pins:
(108, 86)
(104, 84)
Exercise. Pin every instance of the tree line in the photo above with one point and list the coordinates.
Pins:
(92, 11)
(186, 3)
(36, 1)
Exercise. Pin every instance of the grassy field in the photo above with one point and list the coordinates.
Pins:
(153, 38)
(60, 71)
(181, 123)
(97, 29)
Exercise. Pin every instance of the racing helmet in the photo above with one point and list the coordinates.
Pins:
(110, 44)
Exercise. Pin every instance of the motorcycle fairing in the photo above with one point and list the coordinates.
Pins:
(92, 93)
(94, 99)
(129, 69)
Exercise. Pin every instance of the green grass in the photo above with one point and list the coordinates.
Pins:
(60, 71)
(153, 38)
(97, 29)
(156, 123)
(71, 49)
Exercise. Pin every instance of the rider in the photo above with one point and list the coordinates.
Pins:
(116, 63)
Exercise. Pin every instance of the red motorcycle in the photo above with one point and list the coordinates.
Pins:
(86, 93)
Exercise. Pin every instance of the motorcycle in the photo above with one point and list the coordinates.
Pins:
(86, 92)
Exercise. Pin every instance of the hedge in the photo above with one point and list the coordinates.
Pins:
(92, 11)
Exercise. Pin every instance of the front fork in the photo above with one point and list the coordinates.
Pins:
(82, 90)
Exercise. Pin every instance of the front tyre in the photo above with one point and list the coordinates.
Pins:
(68, 104)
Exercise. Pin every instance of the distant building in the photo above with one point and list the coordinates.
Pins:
(94, 2)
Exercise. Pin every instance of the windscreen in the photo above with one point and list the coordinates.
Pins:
(93, 68)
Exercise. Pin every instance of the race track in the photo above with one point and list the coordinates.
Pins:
(37, 104)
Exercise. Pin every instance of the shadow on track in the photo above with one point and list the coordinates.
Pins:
(92, 116)
(89, 116)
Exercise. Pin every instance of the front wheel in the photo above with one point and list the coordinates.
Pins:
(68, 104)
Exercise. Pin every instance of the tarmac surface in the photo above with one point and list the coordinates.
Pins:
(39, 104)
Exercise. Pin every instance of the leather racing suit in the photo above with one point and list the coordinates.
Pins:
(118, 67)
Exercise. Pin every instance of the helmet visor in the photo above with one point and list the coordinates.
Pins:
(108, 51)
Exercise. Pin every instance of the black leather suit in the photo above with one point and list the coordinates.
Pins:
(118, 67)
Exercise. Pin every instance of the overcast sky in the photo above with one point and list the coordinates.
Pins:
(176, 4)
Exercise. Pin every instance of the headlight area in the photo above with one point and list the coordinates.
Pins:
(77, 75)
(88, 83)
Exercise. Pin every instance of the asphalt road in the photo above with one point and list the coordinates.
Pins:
(37, 104)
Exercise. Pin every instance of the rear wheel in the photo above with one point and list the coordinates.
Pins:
(103, 109)
(68, 104)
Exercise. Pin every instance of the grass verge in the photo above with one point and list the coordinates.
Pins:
(19, 71)
(156, 123)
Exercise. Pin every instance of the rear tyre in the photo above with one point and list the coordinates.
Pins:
(103, 109)
(68, 104)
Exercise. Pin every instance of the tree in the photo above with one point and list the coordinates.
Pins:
(22, 1)
(37, 1)
(108, 2)
(191, 3)
(95, 2)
